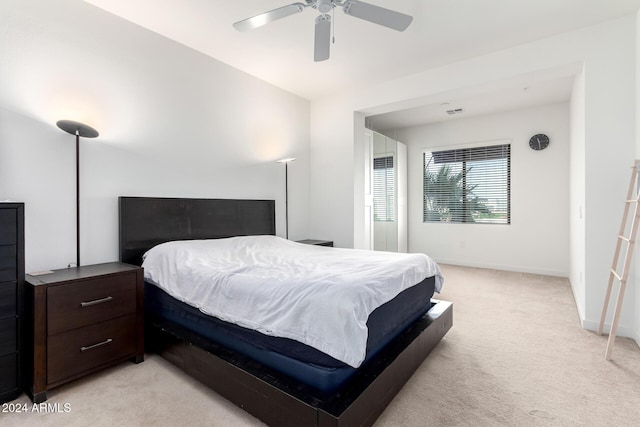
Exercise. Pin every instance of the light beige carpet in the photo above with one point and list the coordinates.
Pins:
(516, 356)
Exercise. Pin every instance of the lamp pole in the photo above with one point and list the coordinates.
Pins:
(286, 192)
(78, 129)
(286, 199)
(77, 198)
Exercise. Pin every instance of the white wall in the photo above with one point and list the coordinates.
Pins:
(610, 113)
(332, 156)
(607, 51)
(537, 240)
(173, 122)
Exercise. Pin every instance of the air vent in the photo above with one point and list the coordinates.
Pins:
(456, 111)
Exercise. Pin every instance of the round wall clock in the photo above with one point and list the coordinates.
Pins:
(539, 141)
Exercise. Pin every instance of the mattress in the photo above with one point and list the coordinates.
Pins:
(301, 362)
(315, 295)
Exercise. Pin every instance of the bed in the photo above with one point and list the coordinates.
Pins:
(277, 379)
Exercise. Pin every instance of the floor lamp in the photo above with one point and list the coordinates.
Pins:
(79, 130)
(286, 192)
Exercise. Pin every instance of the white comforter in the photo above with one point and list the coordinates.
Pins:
(316, 295)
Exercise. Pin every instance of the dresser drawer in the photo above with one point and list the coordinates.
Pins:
(8, 227)
(8, 263)
(90, 301)
(80, 350)
(8, 335)
(8, 372)
(7, 299)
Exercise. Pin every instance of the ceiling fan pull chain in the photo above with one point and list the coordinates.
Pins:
(333, 26)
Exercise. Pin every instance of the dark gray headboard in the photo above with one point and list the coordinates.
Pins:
(149, 221)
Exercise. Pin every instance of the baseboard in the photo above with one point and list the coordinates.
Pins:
(579, 307)
(623, 331)
(515, 269)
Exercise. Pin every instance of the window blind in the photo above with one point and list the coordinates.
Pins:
(468, 185)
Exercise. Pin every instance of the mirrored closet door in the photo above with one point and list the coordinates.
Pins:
(385, 193)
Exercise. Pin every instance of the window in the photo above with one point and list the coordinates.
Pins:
(469, 185)
(383, 189)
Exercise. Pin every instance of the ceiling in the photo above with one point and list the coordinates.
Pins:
(442, 32)
(523, 96)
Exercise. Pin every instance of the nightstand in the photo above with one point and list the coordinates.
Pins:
(80, 320)
(316, 242)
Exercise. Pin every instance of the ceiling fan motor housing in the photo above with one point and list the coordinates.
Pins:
(324, 6)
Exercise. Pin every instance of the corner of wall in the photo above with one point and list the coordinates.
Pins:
(577, 172)
(579, 307)
(637, 257)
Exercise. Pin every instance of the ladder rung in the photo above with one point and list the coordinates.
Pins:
(626, 239)
(631, 201)
(615, 274)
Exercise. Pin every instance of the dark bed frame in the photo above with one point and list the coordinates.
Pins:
(270, 396)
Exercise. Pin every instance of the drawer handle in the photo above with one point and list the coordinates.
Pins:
(94, 302)
(91, 347)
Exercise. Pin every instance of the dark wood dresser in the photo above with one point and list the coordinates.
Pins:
(82, 320)
(11, 298)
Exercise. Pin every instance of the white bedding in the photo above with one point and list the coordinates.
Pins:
(316, 295)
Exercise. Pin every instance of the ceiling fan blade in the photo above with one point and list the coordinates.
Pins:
(322, 38)
(272, 15)
(377, 15)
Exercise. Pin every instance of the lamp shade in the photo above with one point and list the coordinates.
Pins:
(77, 128)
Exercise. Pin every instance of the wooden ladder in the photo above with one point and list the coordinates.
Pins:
(633, 196)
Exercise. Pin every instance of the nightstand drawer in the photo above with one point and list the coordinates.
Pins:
(90, 301)
(8, 335)
(7, 299)
(80, 350)
(8, 263)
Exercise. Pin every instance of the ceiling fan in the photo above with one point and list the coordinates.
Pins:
(376, 14)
